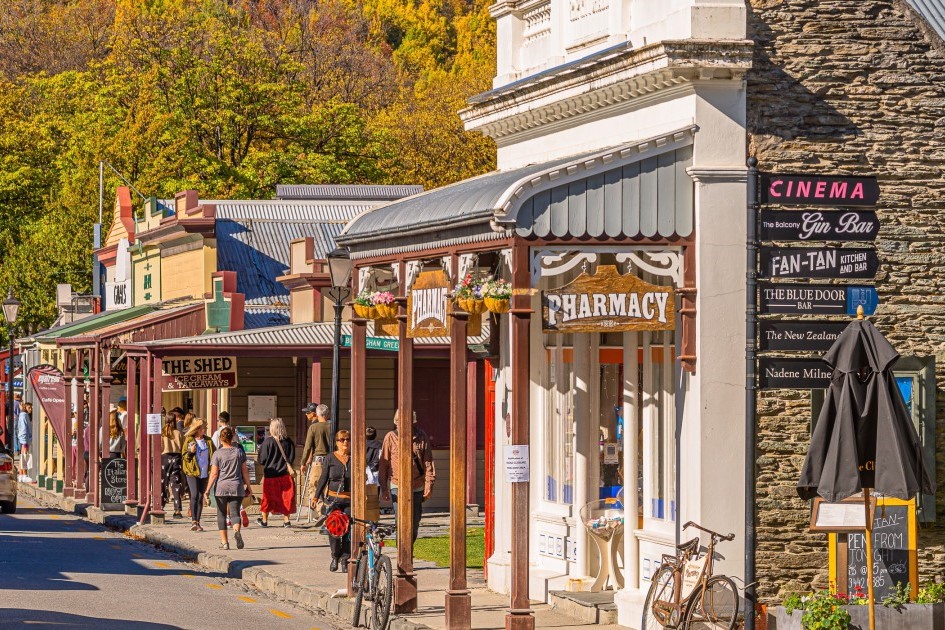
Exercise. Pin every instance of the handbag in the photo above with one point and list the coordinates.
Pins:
(287, 462)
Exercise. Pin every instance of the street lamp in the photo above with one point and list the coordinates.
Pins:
(339, 269)
(11, 308)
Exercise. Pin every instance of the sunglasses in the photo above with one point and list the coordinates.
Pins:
(344, 439)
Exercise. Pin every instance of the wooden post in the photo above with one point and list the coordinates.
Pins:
(358, 437)
(95, 418)
(868, 538)
(68, 483)
(131, 502)
(144, 445)
(458, 601)
(472, 399)
(520, 615)
(157, 507)
(80, 464)
(405, 580)
(105, 400)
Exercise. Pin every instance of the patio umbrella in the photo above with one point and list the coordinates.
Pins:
(864, 438)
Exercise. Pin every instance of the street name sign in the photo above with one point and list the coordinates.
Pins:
(790, 373)
(806, 336)
(374, 343)
(818, 190)
(821, 262)
(816, 299)
(814, 225)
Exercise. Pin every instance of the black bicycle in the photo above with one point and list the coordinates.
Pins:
(373, 577)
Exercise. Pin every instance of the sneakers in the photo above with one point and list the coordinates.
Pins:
(178, 515)
(225, 546)
(195, 527)
(334, 565)
(239, 539)
(244, 517)
(286, 524)
(261, 522)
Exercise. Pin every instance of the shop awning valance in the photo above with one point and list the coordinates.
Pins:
(638, 189)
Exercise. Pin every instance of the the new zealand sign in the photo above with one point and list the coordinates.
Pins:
(818, 190)
(814, 225)
(816, 299)
(179, 373)
(822, 262)
(804, 336)
(608, 302)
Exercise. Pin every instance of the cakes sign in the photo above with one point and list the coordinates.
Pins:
(608, 302)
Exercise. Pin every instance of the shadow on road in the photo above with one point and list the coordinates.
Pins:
(20, 616)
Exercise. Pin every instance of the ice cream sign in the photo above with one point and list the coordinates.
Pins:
(608, 302)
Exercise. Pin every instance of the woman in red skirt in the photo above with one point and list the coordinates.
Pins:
(276, 454)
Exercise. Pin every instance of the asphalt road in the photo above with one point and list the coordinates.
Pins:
(58, 570)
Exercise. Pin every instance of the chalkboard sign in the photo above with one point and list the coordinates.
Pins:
(894, 552)
(114, 480)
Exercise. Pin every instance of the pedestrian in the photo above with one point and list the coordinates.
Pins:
(24, 435)
(195, 461)
(178, 414)
(334, 488)
(122, 408)
(317, 446)
(423, 472)
(172, 475)
(276, 455)
(116, 435)
(223, 420)
(229, 479)
(372, 510)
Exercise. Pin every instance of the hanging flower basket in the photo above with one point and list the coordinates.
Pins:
(384, 306)
(367, 312)
(497, 305)
(386, 311)
(473, 306)
(497, 294)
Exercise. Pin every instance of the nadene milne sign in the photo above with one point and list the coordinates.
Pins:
(178, 373)
(608, 302)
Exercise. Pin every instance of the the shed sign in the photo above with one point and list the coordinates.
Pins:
(608, 302)
(180, 373)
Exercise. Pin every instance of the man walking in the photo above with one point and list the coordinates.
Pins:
(423, 473)
(24, 435)
(223, 420)
(317, 444)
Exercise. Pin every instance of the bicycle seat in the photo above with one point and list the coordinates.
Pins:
(689, 548)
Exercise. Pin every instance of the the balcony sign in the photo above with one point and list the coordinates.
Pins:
(818, 190)
(182, 373)
(815, 225)
(821, 262)
(426, 305)
(608, 302)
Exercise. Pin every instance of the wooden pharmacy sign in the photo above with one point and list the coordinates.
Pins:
(426, 305)
(185, 373)
(608, 302)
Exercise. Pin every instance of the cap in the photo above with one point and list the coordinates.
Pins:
(122, 399)
(310, 408)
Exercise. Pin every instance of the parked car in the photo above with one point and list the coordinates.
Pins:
(8, 481)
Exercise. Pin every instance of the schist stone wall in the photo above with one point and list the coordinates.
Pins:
(855, 88)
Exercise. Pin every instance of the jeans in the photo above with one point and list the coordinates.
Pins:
(417, 509)
(228, 506)
(197, 485)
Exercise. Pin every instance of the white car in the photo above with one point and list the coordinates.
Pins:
(8, 481)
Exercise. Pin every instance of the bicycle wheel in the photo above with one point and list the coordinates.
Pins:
(360, 586)
(383, 591)
(714, 606)
(662, 589)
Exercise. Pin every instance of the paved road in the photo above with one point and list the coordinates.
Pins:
(58, 570)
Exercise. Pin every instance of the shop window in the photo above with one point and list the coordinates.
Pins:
(658, 415)
(559, 428)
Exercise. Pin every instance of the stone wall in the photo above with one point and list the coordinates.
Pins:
(852, 88)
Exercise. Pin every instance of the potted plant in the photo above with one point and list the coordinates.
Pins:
(468, 294)
(364, 306)
(496, 294)
(384, 305)
(840, 611)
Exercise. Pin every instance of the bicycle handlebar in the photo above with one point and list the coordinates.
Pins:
(730, 537)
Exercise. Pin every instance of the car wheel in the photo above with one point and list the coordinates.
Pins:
(8, 507)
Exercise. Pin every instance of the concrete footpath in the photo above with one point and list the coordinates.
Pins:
(291, 564)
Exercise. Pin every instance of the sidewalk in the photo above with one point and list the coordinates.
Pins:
(292, 564)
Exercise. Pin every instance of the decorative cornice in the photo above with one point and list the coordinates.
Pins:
(718, 174)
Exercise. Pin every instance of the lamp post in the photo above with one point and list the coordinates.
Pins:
(339, 269)
(11, 308)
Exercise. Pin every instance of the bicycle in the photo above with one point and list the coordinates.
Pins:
(712, 601)
(373, 576)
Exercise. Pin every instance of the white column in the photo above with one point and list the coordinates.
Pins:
(583, 455)
(500, 560)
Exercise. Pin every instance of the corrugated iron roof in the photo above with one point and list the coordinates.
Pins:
(91, 323)
(279, 210)
(357, 191)
(256, 317)
(157, 312)
(934, 13)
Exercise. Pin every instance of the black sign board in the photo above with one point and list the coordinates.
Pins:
(818, 262)
(818, 190)
(114, 480)
(803, 336)
(891, 553)
(815, 225)
(781, 373)
(816, 299)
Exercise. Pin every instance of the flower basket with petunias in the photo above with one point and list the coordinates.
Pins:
(364, 306)
(496, 294)
(468, 294)
(384, 305)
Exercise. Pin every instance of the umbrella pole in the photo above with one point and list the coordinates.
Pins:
(868, 537)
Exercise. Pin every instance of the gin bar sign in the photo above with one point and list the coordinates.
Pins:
(823, 262)
(814, 225)
(818, 190)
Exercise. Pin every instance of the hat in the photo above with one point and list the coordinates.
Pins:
(225, 416)
(196, 424)
(310, 408)
(177, 410)
(122, 399)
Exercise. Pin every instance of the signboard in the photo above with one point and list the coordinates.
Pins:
(50, 388)
(114, 480)
(117, 295)
(154, 423)
(426, 305)
(261, 408)
(179, 373)
(818, 190)
(516, 463)
(844, 516)
(806, 336)
(374, 343)
(822, 262)
(894, 551)
(782, 373)
(816, 299)
(608, 302)
(814, 225)
(147, 279)
(246, 436)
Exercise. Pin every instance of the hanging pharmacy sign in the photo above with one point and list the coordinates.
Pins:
(608, 302)
(426, 305)
(183, 373)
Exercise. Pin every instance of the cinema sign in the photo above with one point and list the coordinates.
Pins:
(608, 302)
(818, 190)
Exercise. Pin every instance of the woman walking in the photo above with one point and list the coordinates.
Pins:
(195, 461)
(172, 475)
(229, 472)
(116, 435)
(334, 488)
(276, 455)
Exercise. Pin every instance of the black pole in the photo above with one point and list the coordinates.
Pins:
(336, 295)
(10, 419)
(751, 320)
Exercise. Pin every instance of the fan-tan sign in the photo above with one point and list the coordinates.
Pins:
(608, 302)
